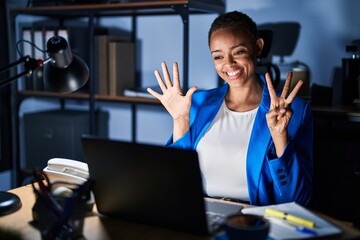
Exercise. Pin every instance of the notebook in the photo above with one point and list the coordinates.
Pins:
(282, 230)
(150, 184)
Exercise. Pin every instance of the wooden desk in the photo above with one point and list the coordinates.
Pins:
(350, 113)
(97, 227)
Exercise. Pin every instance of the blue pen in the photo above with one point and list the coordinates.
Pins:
(299, 229)
(306, 230)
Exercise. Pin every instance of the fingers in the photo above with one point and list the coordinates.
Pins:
(160, 81)
(152, 92)
(270, 86)
(279, 117)
(274, 101)
(166, 75)
(176, 75)
(167, 84)
(191, 91)
(285, 113)
(285, 99)
(293, 93)
(287, 85)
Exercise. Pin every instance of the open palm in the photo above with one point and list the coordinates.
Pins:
(172, 97)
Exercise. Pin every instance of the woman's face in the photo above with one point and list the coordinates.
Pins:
(234, 55)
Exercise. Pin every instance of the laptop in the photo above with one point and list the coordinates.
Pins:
(151, 184)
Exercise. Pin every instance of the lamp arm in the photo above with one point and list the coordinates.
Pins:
(30, 65)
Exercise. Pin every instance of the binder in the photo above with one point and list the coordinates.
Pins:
(26, 51)
(121, 67)
(102, 61)
(38, 53)
(49, 33)
(63, 32)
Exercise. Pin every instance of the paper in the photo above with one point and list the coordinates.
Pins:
(141, 92)
(281, 231)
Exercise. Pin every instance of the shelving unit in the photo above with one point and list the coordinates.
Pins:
(91, 12)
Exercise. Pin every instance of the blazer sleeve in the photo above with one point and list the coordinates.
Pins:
(292, 172)
(204, 106)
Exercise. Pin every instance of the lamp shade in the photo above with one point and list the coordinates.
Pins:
(65, 72)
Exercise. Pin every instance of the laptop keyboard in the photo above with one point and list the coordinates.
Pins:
(214, 220)
(216, 212)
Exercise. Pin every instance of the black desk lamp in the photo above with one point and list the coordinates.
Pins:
(63, 72)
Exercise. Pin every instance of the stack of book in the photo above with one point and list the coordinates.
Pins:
(115, 68)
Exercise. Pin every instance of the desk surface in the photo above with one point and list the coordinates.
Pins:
(97, 227)
(350, 113)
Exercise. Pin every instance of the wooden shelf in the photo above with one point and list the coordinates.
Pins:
(47, 94)
(127, 99)
(121, 9)
(86, 96)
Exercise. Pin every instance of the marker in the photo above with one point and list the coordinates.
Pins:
(288, 217)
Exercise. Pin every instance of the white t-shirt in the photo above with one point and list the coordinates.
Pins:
(222, 153)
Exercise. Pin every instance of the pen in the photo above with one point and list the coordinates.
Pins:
(289, 217)
(304, 230)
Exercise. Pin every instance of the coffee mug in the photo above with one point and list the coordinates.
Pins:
(246, 227)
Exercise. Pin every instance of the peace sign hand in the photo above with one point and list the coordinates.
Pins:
(280, 112)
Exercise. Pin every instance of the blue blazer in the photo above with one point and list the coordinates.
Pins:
(271, 179)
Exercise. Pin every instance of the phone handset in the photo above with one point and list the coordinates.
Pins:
(68, 170)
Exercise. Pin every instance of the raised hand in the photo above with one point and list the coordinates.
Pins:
(280, 111)
(172, 98)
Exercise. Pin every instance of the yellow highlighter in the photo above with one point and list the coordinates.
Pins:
(270, 212)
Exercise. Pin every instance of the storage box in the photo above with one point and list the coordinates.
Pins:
(57, 133)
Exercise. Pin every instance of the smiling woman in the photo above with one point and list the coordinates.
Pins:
(254, 144)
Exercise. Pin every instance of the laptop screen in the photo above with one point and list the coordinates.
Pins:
(146, 183)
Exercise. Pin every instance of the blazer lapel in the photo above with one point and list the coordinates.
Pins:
(208, 111)
(259, 142)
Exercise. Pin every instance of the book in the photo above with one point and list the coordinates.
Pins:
(27, 51)
(101, 61)
(63, 32)
(101, 68)
(141, 92)
(49, 33)
(121, 67)
(282, 230)
(38, 39)
(27, 48)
